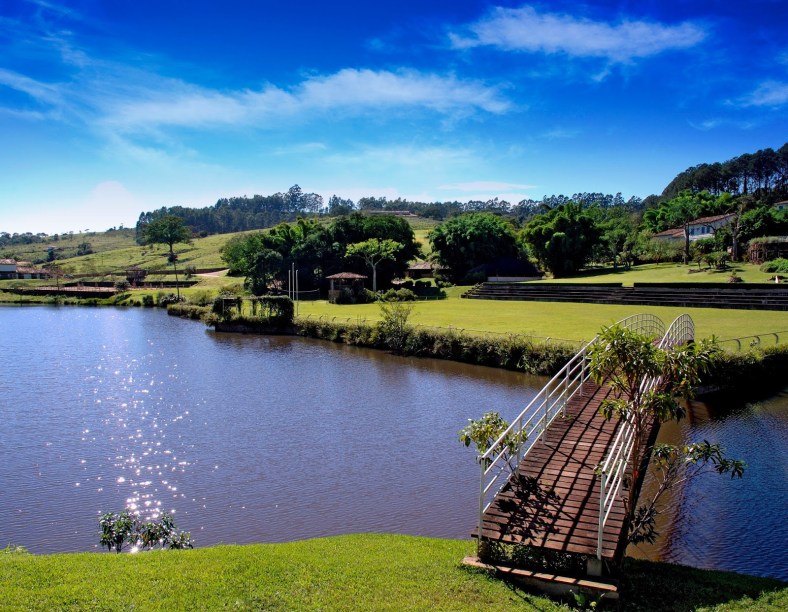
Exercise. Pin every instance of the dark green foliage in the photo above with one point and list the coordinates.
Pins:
(778, 265)
(84, 248)
(168, 230)
(756, 369)
(563, 238)
(125, 529)
(763, 221)
(399, 295)
(317, 251)
(122, 285)
(188, 311)
(508, 352)
(275, 311)
(763, 174)
(169, 298)
(242, 213)
(393, 326)
(266, 264)
(471, 240)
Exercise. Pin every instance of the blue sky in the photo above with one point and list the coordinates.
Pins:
(112, 107)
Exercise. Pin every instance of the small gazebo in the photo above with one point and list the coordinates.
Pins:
(344, 281)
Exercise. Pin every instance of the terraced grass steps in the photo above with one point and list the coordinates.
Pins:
(748, 297)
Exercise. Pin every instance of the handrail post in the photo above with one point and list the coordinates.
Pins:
(481, 511)
(603, 484)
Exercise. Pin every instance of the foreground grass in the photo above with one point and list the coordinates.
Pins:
(356, 572)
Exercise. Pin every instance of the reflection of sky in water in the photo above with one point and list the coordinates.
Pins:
(244, 439)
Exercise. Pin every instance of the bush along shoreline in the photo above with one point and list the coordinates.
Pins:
(509, 352)
(758, 369)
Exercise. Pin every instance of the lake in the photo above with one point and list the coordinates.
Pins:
(270, 439)
(243, 438)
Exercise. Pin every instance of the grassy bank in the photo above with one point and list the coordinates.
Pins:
(356, 572)
(556, 320)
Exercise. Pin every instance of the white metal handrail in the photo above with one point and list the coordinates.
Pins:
(614, 467)
(500, 462)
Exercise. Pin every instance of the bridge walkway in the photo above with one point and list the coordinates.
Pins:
(557, 506)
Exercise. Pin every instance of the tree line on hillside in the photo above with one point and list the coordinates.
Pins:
(763, 175)
(472, 246)
(244, 213)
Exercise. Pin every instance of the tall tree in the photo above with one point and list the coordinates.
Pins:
(563, 238)
(470, 240)
(168, 230)
(373, 251)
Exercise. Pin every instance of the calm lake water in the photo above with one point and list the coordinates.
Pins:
(244, 438)
(266, 439)
(739, 525)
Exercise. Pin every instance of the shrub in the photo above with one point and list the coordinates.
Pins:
(122, 285)
(148, 301)
(169, 298)
(509, 352)
(187, 311)
(119, 530)
(399, 295)
(775, 266)
(394, 326)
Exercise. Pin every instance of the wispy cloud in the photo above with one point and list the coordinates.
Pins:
(527, 30)
(769, 93)
(475, 186)
(129, 100)
(44, 93)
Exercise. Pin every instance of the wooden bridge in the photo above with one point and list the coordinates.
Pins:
(571, 467)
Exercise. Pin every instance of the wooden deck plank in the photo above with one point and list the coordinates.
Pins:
(559, 508)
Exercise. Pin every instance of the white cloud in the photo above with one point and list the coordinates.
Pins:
(350, 91)
(41, 92)
(768, 93)
(125, 100)
(484, 186)
(525, 29)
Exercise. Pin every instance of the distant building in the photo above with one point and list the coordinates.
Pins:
(782, 205)
(423, 269)
(704, 227)
(11, 269)
(7, 268)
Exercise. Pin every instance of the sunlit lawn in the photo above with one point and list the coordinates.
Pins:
(666, 273)
(556, 319)
(356, 572)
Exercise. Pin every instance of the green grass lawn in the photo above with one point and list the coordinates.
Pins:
(665, 273)
(355, 572)
(556, 320)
